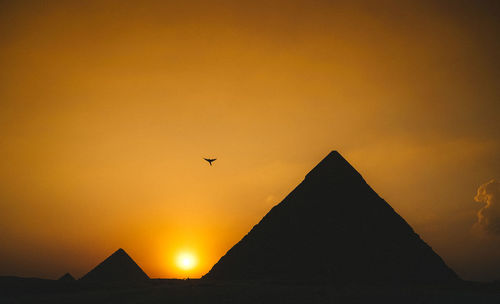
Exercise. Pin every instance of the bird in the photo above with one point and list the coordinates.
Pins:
(210, 160)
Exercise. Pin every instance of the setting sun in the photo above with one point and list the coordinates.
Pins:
(186, 260)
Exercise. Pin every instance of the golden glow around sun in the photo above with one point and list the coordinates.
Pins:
(186, 260)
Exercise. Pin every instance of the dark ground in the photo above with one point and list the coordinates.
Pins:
(22, 290)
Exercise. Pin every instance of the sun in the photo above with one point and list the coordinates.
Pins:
(186, 260)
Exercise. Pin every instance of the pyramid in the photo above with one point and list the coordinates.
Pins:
(117, 267)
(67, 278)
(332, 227)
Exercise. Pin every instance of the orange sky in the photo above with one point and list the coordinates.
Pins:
(106, 110)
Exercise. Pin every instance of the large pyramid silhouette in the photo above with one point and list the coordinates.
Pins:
(334, 227)
(117, 267)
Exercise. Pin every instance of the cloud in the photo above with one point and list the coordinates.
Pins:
(488, 217)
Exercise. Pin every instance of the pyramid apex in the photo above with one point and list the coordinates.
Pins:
(117, 267)
(334, 152)
(335, 155)
(334, 165)
(67, 277)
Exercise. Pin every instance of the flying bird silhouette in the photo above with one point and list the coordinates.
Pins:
(210, 160)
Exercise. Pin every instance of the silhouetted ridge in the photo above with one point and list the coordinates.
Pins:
(117, 267)
(66, 278)
(332, 226)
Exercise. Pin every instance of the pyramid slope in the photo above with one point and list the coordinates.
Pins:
(117, 267)
(332, 226)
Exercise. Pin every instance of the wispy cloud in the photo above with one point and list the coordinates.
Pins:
(488, 217)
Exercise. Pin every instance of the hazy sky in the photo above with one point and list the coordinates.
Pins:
(107, 108)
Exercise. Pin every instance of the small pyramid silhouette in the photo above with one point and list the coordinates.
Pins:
(67, 278)
(117, 267)
(333, 227)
